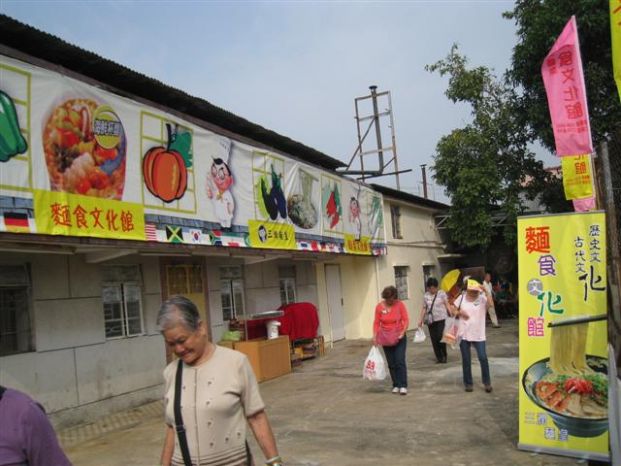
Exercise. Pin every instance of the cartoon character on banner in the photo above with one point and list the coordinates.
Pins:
(219, 181)
(354, 214)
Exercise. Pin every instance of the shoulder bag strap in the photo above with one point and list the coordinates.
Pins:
(179, 427)
(430, 308)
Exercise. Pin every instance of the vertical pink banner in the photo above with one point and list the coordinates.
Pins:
(564, 82)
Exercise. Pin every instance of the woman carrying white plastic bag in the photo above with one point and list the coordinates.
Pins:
(419, 335)
(374, 366)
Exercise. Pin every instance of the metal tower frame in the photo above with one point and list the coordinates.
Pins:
(375, 120)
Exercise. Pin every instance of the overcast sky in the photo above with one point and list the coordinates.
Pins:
(296, 67)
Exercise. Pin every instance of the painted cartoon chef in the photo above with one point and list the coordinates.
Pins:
(354, 216)
(219, 181)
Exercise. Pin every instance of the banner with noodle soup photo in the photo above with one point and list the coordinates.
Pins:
(563, 385)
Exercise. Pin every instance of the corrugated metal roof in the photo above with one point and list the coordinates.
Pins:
(44, 46)
(407, 197)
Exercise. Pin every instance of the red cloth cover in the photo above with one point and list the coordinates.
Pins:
(300, 321)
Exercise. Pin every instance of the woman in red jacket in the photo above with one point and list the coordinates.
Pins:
(389, 327)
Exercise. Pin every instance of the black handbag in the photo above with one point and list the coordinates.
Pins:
(179, 427)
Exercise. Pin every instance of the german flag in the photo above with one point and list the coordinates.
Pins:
(16, 222)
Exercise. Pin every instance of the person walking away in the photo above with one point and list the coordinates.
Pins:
(389, 327)
(218, 396)
(489, 289)
(471, 308)
(26, 434)
(434, 312)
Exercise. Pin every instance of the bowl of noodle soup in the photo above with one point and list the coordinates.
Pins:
(571, 386)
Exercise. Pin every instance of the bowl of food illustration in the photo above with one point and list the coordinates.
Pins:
(84, 145)
(576, 399)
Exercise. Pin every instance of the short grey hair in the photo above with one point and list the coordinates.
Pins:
(178, 310)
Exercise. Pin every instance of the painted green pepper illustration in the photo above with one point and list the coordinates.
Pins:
(11, 140)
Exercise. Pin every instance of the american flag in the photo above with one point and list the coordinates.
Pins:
(150, 231)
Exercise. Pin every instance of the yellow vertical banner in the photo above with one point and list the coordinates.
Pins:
(577, 176)
(615, 34)
(563, 385)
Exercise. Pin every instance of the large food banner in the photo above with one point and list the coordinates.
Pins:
(563, 391)
(80, 161)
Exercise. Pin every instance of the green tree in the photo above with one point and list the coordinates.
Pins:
(487, 165)
(539, 23)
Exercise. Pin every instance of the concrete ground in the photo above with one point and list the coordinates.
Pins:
(325, 414)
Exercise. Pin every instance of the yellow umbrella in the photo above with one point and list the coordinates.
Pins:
(450, 280)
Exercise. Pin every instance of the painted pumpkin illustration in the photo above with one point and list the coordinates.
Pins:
(165, 169)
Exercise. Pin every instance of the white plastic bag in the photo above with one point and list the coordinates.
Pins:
(419, 335)
(374, 366)
(452, 334)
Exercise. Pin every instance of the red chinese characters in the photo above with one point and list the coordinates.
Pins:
(81, 218)
(358, 246)
(538, 239)
(536, 326)
(564, 82)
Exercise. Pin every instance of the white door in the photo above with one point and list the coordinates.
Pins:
(335, 302)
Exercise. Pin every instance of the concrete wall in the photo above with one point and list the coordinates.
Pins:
(421, 245)
(360, 295)
(77, 374)
(74, 369)
(261, 287)
(363, 278)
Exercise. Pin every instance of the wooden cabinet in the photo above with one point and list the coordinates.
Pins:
(269, 358)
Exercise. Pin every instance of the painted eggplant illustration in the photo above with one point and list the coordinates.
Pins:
(274, 200)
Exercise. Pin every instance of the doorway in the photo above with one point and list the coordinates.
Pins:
(186, 279)
(335, 302)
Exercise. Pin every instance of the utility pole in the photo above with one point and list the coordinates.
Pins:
(424, 173)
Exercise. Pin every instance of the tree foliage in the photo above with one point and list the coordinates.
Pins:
(539, 23)
(485, 165)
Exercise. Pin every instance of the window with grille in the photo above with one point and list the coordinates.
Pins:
(287, 284)
(231, 292)
(15, 311)
(395, 219)
(401, 281)
(122, 301)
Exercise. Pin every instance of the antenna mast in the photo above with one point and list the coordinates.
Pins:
(380, 121)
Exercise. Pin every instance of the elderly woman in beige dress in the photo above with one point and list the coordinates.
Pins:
(219, 395)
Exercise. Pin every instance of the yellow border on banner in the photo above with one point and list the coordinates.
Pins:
(557, 296)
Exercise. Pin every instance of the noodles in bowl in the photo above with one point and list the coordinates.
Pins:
(570, 385)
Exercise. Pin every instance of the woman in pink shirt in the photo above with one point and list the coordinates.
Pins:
(471, 308)
(391, 322)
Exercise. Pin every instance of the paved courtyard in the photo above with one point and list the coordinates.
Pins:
(324, 414)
